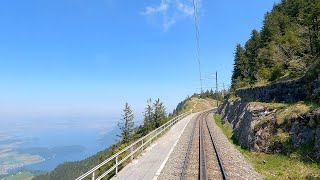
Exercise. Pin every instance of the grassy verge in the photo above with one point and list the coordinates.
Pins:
(275, 166)
(197, 105)
(20, 176)
(287, 111)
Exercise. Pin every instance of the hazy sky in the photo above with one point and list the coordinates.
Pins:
(87, 57)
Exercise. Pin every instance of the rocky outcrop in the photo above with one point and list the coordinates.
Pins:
(301, 133)
(316, 121)
(255, 127)
(317, 144)
(289, 91)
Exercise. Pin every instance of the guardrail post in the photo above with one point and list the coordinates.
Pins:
(93, 174)
(116, 165)
(131, 150)
(142, 144)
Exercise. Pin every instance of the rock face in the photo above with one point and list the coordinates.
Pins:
(301, 134)
(317, 143)
(289, 91)
(255, 127)
(316, 120)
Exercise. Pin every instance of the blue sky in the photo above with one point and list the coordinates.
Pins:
(75, 58)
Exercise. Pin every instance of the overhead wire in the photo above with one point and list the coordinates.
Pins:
(195, 13)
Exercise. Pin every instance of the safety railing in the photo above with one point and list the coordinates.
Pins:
(130, 151)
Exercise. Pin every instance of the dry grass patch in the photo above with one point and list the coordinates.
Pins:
(292, 112)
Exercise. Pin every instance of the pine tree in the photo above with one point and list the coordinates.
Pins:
(159, 113)
(240, 68)
(252, 48)
(148, 117)
(126, 124)
(311, 19)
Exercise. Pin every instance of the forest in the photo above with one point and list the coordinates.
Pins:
(287, 46)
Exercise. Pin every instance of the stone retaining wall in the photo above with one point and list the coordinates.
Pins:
(289, 91)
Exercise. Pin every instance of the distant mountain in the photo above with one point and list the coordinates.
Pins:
(72, 170)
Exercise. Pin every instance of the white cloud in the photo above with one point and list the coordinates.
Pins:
(169, 12)
(162, 8)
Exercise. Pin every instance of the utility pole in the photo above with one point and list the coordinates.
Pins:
(217, 89)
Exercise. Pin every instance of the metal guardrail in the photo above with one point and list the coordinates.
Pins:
(133, 148)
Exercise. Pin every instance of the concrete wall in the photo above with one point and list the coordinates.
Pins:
(289, 91)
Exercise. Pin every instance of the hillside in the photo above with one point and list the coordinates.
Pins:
(71, 170)
(197, 104)
(273, 116)
(287, 46)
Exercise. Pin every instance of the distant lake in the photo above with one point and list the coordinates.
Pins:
(57, 140)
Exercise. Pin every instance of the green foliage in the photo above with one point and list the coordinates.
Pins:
(251, 52)
(148, 114)
(209, 94)
(154, 116)
(227, 130)
(126, 124)
(159, 116)
(285, 48)
(276, 73)
(180, 107)
(297, 68)
(240, 68)
(72, 170)
(21, 175)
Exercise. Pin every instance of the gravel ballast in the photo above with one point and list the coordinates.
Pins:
(236, 166)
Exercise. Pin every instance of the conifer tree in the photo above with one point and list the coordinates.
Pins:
(252, 47)
(240, 68)
(159, 113)
(126, 124)
(148, 114)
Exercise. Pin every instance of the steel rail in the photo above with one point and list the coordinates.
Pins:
(188, 150)
(202, 155)
(224, 175)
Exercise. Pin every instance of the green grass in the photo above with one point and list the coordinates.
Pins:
(198, 105)
(225, 129)
(271, 105)
(20, 176)
(275, 166)
(292, 112)
(286, 112)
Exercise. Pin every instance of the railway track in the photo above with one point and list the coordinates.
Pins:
(202, 160)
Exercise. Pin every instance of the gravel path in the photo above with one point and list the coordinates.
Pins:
(236, 166)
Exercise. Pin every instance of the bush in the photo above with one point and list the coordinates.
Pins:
(276, 73)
